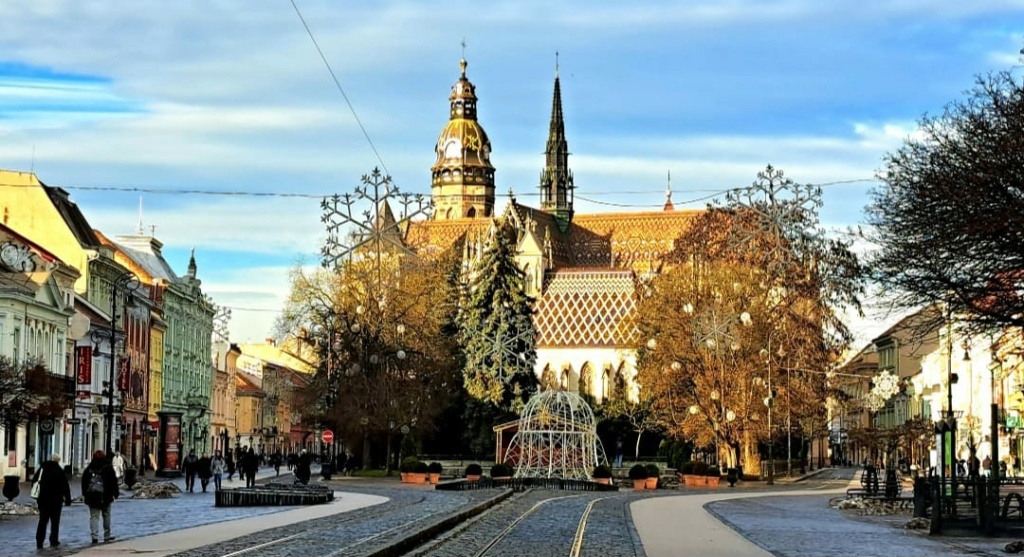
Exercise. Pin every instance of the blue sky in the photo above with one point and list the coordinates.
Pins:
(232, 96)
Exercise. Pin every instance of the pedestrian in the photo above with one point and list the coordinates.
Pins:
(618, 452)
(278, 458)
(217, 466)
(117, 463)
(230, 464)
(54, 493)
(204, 469)
(99, 489)
(190, 464)
(302, 470)
(252, 465)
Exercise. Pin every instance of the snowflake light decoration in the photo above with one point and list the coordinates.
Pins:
(886, 385)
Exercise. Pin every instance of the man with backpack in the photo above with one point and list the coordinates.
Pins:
(99, 489)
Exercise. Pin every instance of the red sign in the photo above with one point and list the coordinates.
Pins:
(327, 436)
(83, 354)
(123, 373)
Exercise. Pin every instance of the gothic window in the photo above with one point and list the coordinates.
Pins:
(471, 213)
(586, 377)
(547, 379)
(563, 382)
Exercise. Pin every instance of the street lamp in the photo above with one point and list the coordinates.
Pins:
(127, 283)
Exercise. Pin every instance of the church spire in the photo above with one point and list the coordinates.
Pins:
(192, 264)
(556, 182)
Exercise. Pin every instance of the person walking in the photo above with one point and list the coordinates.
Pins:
(278, 459)
(117, 463)
(205, 470)
(99, 489)
(229, 462)
(190, 464)
(302, 470)
(54, 493)
(217, 466)
(252, 465)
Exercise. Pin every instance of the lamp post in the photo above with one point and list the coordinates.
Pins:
(124, 282)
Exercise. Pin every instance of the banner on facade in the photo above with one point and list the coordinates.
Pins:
(122, 373)
(84, 361)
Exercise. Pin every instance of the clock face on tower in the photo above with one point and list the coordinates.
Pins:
(453, 148)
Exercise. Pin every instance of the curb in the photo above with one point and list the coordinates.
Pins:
(421, 536)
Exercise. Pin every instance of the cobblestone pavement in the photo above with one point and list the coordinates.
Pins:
(358, 533)
(130, 518)
(805, 526)
(545, 523)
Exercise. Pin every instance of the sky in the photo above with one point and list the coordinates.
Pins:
(175, 101)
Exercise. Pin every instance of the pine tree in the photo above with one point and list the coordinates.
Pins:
(499, 338)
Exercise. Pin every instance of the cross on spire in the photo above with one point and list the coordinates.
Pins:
(556, 63)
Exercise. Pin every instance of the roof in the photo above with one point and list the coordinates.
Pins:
(586, 307)
(146, 252)
(72, 216)
(247, 387)
(633, 240)
(275, 355)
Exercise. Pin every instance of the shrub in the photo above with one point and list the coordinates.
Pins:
(420, 467)
(699, 468)
(435, 468)
(687, 467)
(407, 464)
(653, 471)
(602, 471)
(638, 472)
(501, 470)
(474, 470)
(713, 471)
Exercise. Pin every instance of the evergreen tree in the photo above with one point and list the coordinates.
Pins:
(499, 339)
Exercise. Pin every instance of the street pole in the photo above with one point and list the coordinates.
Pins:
(110, 384)
(789, 428)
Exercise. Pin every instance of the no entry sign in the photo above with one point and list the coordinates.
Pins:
(327, 436)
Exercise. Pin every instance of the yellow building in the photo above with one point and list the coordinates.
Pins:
(248, 412)
(222, 420)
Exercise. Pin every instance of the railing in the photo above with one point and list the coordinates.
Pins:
(522, 484)
(978, 503)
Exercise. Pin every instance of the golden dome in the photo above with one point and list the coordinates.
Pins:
(463, 142)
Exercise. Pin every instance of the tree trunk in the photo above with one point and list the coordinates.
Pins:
(639, 432)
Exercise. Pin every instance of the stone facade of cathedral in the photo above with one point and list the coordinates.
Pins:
(584, 270)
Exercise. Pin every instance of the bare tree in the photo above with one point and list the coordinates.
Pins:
(949, 219)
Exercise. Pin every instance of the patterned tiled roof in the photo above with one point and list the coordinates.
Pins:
(586, 307)
(426, 235)
(627, 240)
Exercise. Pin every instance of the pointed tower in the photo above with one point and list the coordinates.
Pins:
(462, 178)
(556, 184)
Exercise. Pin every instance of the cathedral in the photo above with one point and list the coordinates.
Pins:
(583, 270)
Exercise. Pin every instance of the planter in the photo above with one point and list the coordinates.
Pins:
(405, 477)
(434, 478)
(652, 483)
(605, 481)
(496, 478)
(713, 481)
(472, 477)
(11, 487)
(732, 477)
(417, 477)
(638, 485)
(693, 480)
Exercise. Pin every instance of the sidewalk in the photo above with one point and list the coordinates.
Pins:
(135, 518)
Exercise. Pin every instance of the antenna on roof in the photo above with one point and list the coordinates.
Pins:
(141, 229)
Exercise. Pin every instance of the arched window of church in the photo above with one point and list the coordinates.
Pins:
(563, 383)
(471, 212)
(547, 379)
(448, 213)
(606, 384)
(586, 377)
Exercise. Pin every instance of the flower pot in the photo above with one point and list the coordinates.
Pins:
(713, 481)
(417, 477)
(472, 477)
(434, 477)
(11, 487)
(693, 480)
(638, 485)
(605, 481)
(405, 477)
(652, 483)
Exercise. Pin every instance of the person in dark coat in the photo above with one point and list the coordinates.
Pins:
(252, 465)
(302, 471)
(99, 495)
(229, 462)
(54, 493)
(190, 465)
(204, 470)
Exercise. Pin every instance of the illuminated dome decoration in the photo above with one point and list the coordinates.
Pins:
(557, 438)
(462, 178)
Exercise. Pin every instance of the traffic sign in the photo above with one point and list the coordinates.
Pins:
(327, 436)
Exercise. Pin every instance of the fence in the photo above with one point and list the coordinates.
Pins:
(982, 504)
